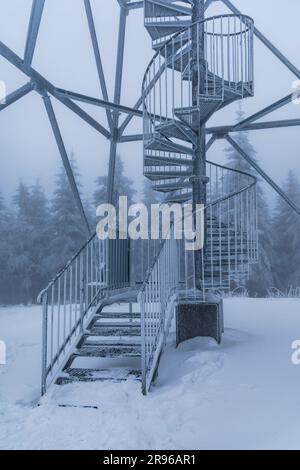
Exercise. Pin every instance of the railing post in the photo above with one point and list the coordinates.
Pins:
(44, 344)
(82, 292)
(141, 300)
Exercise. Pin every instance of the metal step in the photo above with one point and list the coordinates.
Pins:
(160, 174)
(157, 143)
(163, 160)
(177, 130)
(160, 29)
(127, 315)
(115, 330)
(194, 116)
(121, 350)
(167, 187)
(99, 375)
(162, 8)
(111, 340)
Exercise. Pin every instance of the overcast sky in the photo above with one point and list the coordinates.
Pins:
(64, 56)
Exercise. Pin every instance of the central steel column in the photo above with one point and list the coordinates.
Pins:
(199, 178)
(117, 98)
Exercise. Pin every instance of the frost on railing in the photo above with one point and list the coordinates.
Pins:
(101, 266)
(68, 302)
(157, 300)
(230, 248)
(222, 66)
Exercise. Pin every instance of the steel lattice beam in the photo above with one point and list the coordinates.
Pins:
(65, 159)
(17, 95)
(261, 172)
(98, 102)
(117, 99)
(222, 130)
(97, 55)
(42, 83)
(263, 112)
(33, 29)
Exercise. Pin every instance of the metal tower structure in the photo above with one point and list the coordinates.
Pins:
(201, 64)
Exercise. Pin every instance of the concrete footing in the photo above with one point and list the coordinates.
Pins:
(199, 319)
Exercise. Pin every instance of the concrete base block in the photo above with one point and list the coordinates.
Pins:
(199, 319)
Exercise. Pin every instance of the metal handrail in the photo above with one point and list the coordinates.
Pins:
(211, 18)
(212, 204)
(231, 218)
(62, 271)
(155, 321)
(68, 302)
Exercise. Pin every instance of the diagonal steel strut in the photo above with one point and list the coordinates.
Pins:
(33, 29)
(93, 34)
(43, 83)
(65, 159)
(16, 95)
(264, 175)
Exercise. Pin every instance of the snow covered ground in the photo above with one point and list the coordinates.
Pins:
(243, 394)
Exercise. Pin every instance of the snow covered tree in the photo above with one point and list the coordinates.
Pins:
(5, 246)
(262, 276)
(286, 233)
(123, 186)
(28, 236)
(67, 230)
(39, 220)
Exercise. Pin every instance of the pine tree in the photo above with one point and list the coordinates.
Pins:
(28, 236)
(262, 277)
(21, 233)
(5, 247)
(67, 231)
(286, 232)
(39, 219)
(123, 186)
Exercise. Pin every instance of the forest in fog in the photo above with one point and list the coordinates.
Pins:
(38, 234)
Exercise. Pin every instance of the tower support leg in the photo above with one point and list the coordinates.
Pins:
(199, 179)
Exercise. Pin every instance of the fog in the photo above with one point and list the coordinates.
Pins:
(64, 55)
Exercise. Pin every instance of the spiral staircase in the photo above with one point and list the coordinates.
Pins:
(174, 117)
(83, 338)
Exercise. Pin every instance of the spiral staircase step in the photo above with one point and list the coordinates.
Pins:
(161, 174)
(160, 29)
(193, 116)
(177, 130)
(162, 160)
(158, 143)
(161, 8)
(168, 187)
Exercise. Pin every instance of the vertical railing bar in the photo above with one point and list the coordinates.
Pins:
(58, 316)
(45, 344)
(70, 300)
(52, 328)
(65, 310)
